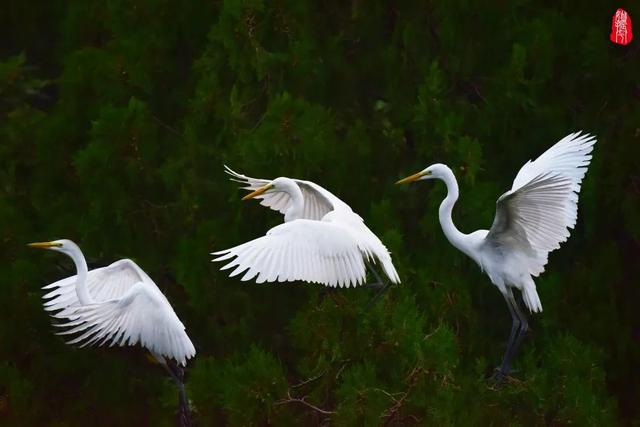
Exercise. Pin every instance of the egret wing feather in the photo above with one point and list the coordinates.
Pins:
(305, 250)
(535, 216)
(319, 205)
(141, 315)
(569, 157)
(103, 283)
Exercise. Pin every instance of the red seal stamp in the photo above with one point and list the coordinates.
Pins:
(621, 28)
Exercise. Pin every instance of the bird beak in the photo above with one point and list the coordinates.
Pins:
(258, 192)
(44, 245)
(411, 178)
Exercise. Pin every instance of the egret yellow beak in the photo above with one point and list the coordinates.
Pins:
(258, 192)
(44, 245)
(411, 178)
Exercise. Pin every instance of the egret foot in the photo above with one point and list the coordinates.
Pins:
(498, 378)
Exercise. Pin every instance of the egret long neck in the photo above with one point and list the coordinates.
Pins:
(455, 237)
(82, 289)
(296, 207)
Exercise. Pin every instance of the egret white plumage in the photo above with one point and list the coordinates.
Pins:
(531, 220)
(322, 240)
(116, 305)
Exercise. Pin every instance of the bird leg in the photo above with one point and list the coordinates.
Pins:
(183, 406)
(524, 327)
(177, 375)
(516, 328)
(504, 369)
(379, 283)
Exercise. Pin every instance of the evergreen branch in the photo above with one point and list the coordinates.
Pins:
(391, 396)
(429, 335)
(391, 413)
(344, 365)
(309, 380)
(166, 126)
(302, 400)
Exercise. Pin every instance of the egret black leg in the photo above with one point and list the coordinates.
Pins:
(183, 406)
(524, 327)
(517, 327)
(177, 375)
(380, 283)
(170, 372)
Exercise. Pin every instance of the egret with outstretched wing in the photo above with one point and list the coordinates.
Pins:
(322, 240)
(532, 219)
(116, 305)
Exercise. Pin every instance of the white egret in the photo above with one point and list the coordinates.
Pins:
(322, 240)
(531, 220)
(117, 305)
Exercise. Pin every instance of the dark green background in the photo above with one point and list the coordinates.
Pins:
(117, 117)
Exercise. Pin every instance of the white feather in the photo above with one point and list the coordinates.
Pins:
(322, 240)
(542, 204)
(127, 309)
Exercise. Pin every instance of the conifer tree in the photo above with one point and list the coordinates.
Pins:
(117, 118)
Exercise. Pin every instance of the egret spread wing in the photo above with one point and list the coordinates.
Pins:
(535, 216)
(141, 315)
(306, 250)
(569, 158)
(317, 201)
(103, 284)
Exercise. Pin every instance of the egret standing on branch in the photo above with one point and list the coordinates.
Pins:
(532, 219)
(118, 305)
(322, 240)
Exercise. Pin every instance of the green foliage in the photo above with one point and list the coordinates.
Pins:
(116, 119)
(17, 83)
(247, 389)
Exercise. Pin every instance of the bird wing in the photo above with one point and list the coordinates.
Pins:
(569, 157)
(306, 250)
(141, 315)
(103, 283)
(375, 248)
(317, 201)
(535, 216)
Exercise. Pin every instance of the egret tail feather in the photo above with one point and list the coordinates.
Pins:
(531, 298)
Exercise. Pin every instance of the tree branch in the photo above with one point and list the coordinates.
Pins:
(309, 380)
(391, 413)
(291, 399)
